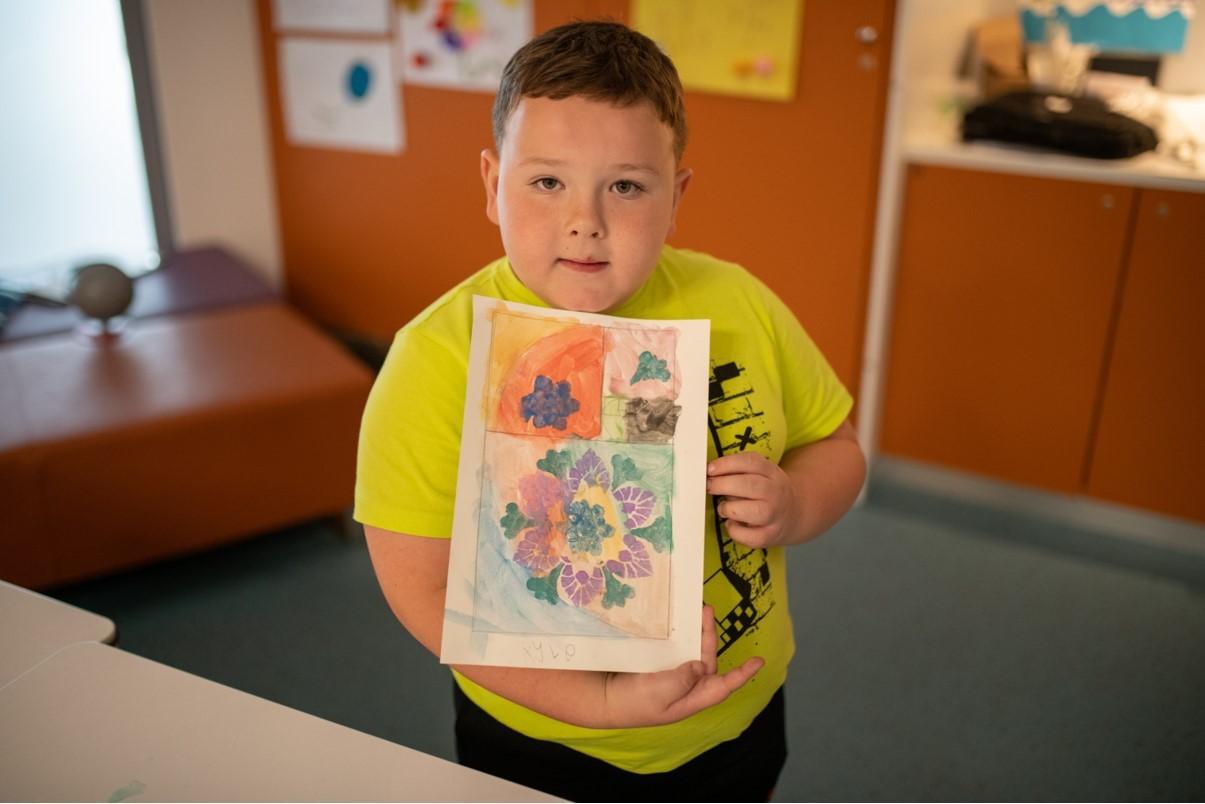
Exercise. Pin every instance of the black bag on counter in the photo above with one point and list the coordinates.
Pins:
(1083, 126)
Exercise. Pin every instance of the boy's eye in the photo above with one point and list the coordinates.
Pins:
(547, 183)
(625, 187)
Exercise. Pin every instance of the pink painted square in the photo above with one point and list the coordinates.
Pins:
(641, 363)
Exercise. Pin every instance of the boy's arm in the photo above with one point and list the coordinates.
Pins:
(413, 571)
(768, 504)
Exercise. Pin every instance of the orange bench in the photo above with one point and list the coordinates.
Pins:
(190, 431)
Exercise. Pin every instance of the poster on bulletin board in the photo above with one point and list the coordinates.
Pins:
(340, 93)
(731, 47)
(460, 44)
(332, 16)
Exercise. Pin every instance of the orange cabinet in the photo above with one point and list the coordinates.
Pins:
(1150, 445)
(1049, 333)
(1004, 290)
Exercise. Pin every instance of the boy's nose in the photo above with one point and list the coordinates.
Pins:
(587, 221)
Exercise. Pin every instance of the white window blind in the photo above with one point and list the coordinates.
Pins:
(73, 179)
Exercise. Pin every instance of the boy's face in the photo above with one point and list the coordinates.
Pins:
(585, 194)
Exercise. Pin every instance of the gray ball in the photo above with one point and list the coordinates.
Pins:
(102, 291)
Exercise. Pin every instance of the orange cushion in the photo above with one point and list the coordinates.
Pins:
(189, 431)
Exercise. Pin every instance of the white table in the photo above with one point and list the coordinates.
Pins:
(93, 723)
(33, 626)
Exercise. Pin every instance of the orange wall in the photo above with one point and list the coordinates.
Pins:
(370, 240)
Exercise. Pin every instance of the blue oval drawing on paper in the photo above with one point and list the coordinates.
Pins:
(359, 80)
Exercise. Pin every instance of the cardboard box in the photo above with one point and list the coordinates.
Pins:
(999, 45)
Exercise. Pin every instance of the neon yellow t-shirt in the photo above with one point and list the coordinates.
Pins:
(770, 390)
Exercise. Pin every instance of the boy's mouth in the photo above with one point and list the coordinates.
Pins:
(583, 266)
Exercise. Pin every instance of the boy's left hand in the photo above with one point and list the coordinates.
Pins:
(759, 501)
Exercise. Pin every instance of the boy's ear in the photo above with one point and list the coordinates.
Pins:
(681, 180)
(489, 176)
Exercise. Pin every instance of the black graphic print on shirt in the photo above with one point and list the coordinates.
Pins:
(739, 590)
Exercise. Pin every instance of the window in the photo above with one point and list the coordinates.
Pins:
(73, 177)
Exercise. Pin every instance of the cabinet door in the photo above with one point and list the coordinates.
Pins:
(1150, 447)
(1004, 290)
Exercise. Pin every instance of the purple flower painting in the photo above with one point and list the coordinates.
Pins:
(583, 532)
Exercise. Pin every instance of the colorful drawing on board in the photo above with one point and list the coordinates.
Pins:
(333, 93)
(461, 44)
(570, 489)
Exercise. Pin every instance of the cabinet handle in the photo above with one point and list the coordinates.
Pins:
(1107, 201)
(867, 34)
(1162, 209)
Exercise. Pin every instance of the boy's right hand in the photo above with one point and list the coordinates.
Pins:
(653, 699)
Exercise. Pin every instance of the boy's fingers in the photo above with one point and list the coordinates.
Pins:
(742, 462)
(711, 690)
(750, 536)
(751, 513)
(753, 487)
(685, 676)
(735, 678)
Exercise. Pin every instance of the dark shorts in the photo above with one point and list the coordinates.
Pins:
(743, 769)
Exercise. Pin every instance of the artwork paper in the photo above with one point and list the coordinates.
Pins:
(732, 47)
(341, 16)
(461, 45)
(577, 540)
(340, 94)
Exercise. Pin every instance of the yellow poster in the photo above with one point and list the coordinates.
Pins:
(733, 47)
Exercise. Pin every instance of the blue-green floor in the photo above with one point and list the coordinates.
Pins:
(935, 661)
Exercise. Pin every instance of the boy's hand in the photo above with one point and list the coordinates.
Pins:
(759, 501)
(652, 699)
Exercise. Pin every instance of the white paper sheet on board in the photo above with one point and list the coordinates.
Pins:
(461, 45)
(340, 94)
(577, 540)
(336, 16)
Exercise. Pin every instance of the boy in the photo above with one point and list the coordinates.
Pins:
(584, 184)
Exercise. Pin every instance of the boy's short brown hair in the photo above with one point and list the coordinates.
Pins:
(599, 60)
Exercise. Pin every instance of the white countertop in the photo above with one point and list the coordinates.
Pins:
(93, 723)
(931, 137)
(33, 627)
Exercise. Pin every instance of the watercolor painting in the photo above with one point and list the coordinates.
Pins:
(572, 488)
(545, 378)
(576, 525)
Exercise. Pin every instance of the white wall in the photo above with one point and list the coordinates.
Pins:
(213, 124)
(937, 31)
(1184, 73)
(934, 41)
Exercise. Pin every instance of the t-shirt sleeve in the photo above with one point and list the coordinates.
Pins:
(814, 400)
(409, 447)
